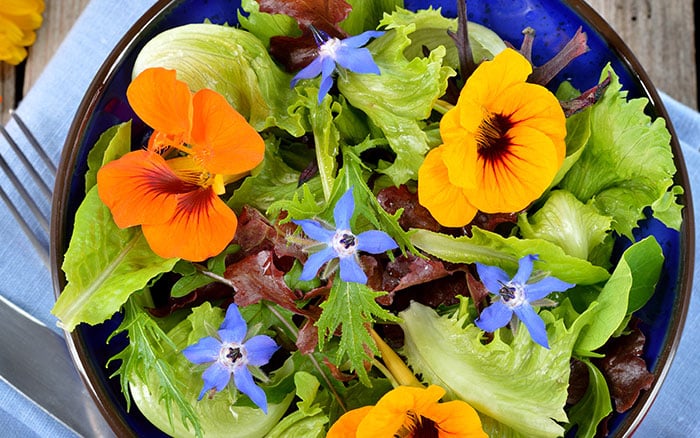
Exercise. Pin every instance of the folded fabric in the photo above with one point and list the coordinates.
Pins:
(49, 109)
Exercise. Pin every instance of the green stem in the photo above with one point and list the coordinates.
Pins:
(442, 107)
(295, 332)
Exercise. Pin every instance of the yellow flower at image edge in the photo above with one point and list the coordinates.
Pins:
(18, 21)
(408, 411)
(503, 144)
(172, 188)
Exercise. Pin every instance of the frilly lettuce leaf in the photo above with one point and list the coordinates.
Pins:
(104, 265)
(220, 414)
(432, 31)
(232, 62)
(264, 25)
(398, 114)
(495, 250)
(564, 220)
(516, 382)
(627, 164)
(366, 14)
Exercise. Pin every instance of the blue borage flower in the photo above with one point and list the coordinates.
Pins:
(515, 296)
(347, 53)
(342, 244)
(232, 356)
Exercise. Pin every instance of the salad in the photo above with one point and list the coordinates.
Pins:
(341, 220)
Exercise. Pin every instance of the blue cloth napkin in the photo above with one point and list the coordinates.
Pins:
(48, 110)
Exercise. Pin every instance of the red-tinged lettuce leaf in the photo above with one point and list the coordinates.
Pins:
(625, 369)
(257, 278)
(414, 215)
(324, 15)
(256, 233)
(307, 338)
(406, 271)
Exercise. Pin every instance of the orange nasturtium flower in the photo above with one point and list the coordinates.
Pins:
(409, 411)
(503, 144)
(18, 21)
(207, 143)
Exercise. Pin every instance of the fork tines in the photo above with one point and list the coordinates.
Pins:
(38, 240)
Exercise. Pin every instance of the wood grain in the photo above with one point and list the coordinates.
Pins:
(59, 17)
(659, 33)
(661, 36)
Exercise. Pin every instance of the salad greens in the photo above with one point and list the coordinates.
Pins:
(373, 134)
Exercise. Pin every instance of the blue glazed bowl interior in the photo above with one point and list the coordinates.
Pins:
(554, 21)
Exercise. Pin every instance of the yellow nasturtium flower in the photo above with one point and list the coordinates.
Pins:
(503, 144)
(18, 21)
(407, 412)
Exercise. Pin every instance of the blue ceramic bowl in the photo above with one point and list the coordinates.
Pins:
(555, 22)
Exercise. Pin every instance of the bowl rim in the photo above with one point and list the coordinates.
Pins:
(75, 341)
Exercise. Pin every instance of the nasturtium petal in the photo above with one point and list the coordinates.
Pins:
(222, 139)
(139, 188)
(493, 77)
(446, 202)
(522, 175)
(201, 227)
(161, 101)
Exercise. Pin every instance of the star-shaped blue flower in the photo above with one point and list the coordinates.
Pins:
(347, 53)
(342, 244)
(516, 296)
(230, 355)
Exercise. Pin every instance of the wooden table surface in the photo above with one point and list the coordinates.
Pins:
(660, 34)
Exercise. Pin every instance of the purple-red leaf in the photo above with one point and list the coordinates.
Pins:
(414, 215)
(257, 278)
(625, 369)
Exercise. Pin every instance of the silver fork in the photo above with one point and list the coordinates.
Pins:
(33, 358)
(39, 241)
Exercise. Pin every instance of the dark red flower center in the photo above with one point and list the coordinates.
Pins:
(492, 141)
(417, 427)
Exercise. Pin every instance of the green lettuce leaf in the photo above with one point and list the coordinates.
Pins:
(630, 286)
(517, 382)
(495, 250)
(309, 420)
(593, 407)
(399, 115)
(564, 220)
(104, 265)
(273, 179)
(366, 14)
(326, 134)
(263, 25)
(578, 131)
(431, 31)
(217, 415)
(112, 144)
(627, 164)
(232, 62)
